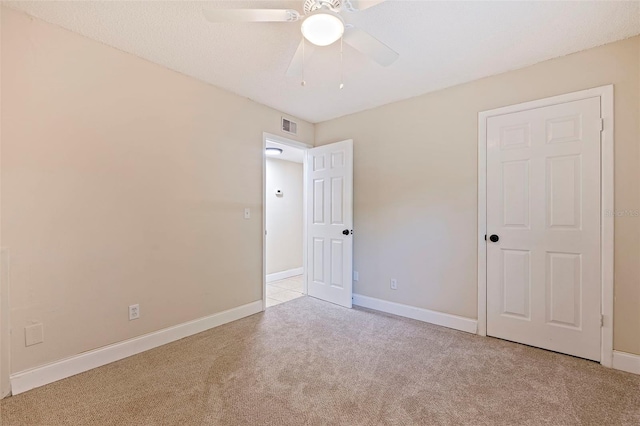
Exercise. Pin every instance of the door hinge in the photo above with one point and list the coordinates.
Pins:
(601, 320)
(601, 124)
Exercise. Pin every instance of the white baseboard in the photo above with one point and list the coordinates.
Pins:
(284, 274)
(40, 376)
(446, 320)
(626, 362)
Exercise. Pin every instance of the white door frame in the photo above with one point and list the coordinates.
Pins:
(300, 145)
(605, 93)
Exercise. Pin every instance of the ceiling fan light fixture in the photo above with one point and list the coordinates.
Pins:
(323, 27)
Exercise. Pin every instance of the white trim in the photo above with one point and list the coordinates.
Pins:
(305, 178)
(605, 93)
(607, 223)
(285, 141)
(40, 376)
(438, 318)
(284, 274)
(626, 362)
(264, 222)
(482, 225)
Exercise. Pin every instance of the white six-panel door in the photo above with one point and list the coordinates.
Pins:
(543, 203)
(330, 222)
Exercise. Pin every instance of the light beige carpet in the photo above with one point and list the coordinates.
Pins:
(307, 362)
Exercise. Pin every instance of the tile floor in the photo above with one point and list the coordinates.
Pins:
(284, 290)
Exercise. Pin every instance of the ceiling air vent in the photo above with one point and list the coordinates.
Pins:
(289, 126)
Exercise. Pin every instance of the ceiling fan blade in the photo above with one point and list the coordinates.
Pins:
(370, 46)
(251, 15)
(364, 4)
(295, 67)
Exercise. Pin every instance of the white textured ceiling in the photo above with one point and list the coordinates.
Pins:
(441, 44)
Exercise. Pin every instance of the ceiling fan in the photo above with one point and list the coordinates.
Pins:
(323, 24)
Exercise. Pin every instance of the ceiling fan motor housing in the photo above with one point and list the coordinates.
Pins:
(313, 5)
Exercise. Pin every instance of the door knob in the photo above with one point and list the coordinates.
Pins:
(494, 238)
(347, 232)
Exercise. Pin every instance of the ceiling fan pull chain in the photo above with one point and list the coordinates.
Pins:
(341, 65)
(302, 83)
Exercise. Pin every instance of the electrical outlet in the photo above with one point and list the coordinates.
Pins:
(247, 213)
(355, 276)
(134, 312)
(394, 284)
(33, 334)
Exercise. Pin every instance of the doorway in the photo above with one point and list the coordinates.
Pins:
(284, 204)
(326, 223)
(545, 253)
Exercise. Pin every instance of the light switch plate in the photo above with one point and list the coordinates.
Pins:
(247, 213)
(33, 334)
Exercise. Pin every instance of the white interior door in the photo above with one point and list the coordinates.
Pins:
(330, 222)
(543, 203)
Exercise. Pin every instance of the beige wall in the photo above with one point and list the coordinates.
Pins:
(284, 215)
(4, 306)
(415, 183)
(122, 182)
